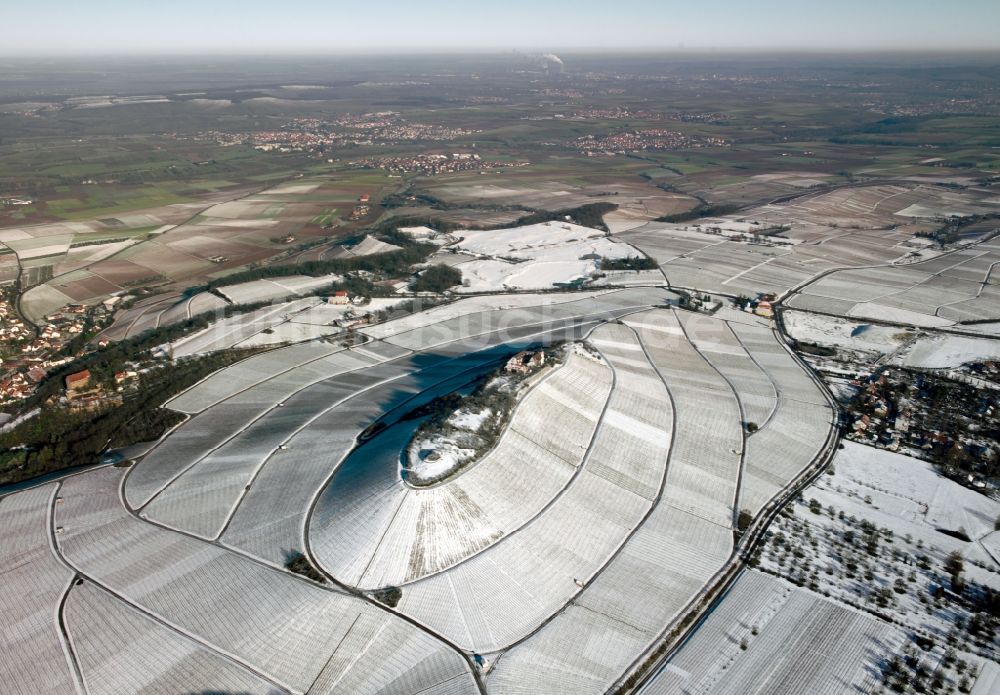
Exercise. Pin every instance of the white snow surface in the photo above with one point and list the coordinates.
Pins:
(842, 333)
(450, 457)
(469, 421)
(535, 256)
(944, 351)
(879, 312)
(913, 491)
(275, 288)
(472, 305)
(525, 242)
(369, 246)
(287, 322)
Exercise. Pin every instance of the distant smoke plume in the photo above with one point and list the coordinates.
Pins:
(553, 62)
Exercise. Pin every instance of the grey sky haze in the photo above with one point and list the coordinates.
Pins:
(334, 26)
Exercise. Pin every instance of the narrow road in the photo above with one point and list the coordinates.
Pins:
(657, 658)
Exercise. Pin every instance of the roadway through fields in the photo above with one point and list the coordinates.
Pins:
(646, 668)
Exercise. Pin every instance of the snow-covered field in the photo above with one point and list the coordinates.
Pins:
(940, 291)
(944, 351)
(843, 333)
(525, 242)
(235, 329)
(288, 322)
(369, 246)
(875, 535)
(601, 514)
(358, 541)
(276, 288)
(880, 312)
(911, 490)
(471, 305)
(768, 636)
(537, 256)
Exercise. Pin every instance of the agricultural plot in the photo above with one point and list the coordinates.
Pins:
(35, 657)
(484, 323)
(252, 389)
(767, 636)
(628, 278)
(214, 595)
(265, 522)
(877, 534)
(119, 649)
(9, 268)
(277, 289)
(606, 506)
(293, 321)
(369, 246)
(160, 311)
(680, 545)
(327, 217)
(571, 539)
(539, 256)
(319, 416)
(231, 331)
(70, 245)
(774, 248)
(371, 529)
(944, 291)
(173, 247)
(718, 343)
(637, 203)
(467, 306)
(784, 445)
(706, 458)
(463, 217)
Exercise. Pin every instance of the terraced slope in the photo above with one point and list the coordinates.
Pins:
(551, 565)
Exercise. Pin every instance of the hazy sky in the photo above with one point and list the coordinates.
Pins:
(334, 26)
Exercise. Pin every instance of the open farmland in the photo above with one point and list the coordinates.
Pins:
(537, 256)
(847, 583)
(635, 445)
(174, 247)
(537, 190)
(502, 373)
(962, 286)
(769, 636)
(779, 246)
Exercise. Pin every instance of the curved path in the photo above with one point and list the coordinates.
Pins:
(564, 581)
(370, 529)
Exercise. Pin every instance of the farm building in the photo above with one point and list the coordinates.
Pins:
(525, 361)
(77, 381)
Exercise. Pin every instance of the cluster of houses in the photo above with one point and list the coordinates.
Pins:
(11, 327)
(929, 416)
(351, 319)
(651, 139)
(29, 356)
(433, 164)
(525, 362)
(16, 385)
(362, 208)
(82, 392)
(762, 305)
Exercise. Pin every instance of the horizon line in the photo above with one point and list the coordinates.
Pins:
(501, 51)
